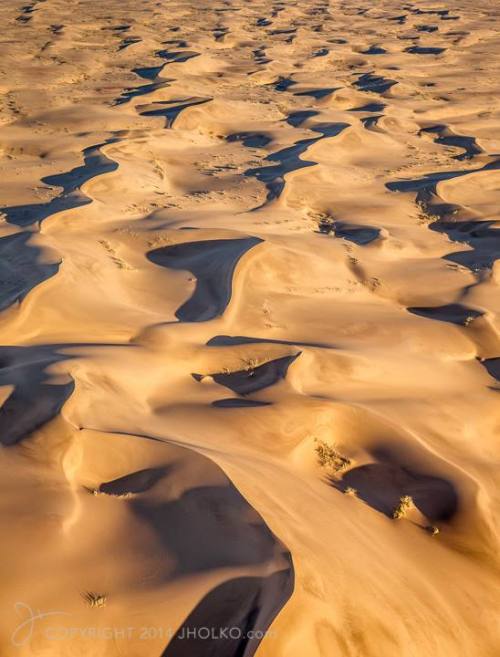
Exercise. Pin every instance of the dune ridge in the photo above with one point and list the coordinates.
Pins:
(249, 302)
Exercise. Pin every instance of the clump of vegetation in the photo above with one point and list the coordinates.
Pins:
(405, 504)
(250, 364)
(121, 264)
(350, 491)
(330, 457)
(425, 216)
(94, 599)
(326, 224)
(97, 492)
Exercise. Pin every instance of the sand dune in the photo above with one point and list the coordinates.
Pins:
(249, 307)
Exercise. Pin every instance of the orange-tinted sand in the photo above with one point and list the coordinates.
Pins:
(237, 237)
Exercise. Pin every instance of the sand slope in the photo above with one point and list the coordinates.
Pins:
(232, 233)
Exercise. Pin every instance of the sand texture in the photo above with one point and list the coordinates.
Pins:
(249, 302)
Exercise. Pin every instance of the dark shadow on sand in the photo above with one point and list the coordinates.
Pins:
(212, 262)
(253, 379)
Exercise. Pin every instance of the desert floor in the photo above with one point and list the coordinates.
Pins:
(249, 301)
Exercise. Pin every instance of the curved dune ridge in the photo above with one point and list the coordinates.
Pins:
(250, 320)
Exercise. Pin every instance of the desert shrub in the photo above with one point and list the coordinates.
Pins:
(405, 504)
(330, 457)
(433, 530)
(94, 599)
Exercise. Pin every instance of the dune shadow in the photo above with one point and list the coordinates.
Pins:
(381, 485)
(454, 313)
(34, 400)
(492, 366)
(173, 109)
(288, 159)
(20, 270)
(235, 402)
(298, 117)
(128, 41)
(374, 50)
(148, 72)
(230, 340)
(212, 262)
(135, 482)
(374, 83)
(429, 181)
(207, 528)
(482, 236)
(253, 379)
(178, 56)
(467, 143)
(250, 139)
(238, 614)
(424, 50)
(142, 90)
(369, 107)
(32, 403)
(317, 94)
(71, 197)
(360, 235)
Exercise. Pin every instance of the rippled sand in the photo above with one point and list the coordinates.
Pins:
(249, 297)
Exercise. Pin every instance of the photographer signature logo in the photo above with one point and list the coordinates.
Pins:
(24, 631)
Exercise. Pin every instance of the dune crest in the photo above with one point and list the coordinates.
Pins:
(250, 320)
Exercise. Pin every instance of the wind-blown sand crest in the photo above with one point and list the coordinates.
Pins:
(249, 303)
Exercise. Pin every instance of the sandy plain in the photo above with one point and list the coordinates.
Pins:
(234, 234)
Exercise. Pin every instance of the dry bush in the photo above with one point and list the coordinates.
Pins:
(405, 504)
(94, 599)
(330, 457)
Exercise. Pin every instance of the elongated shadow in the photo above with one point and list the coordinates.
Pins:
(212, 262)
(135, 482)
(250, 139)
(33, 401)
(381, 485)
(19, 270)
(236, 402)
(142, 90)
(482, 236)
(296, 119)
(206, 528)
(369, 107)
(454, 313)
(469, 144)
(252, 379)
(317, 93)
(360, 235)
(424, 50)
(128, 41)
(174, 108)
(238, 612)
(229, 340)
(430, 180)
(374, 50)
(149, 72)
(71, 197)
(289, 160)
(374, 83)
(177, 57)
(492, 366)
